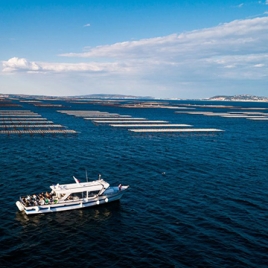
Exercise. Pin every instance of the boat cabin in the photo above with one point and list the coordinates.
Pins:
(76, 191)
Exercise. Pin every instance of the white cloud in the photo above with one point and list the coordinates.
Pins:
(23, 65)
(16, 64)
(235, 50)
(87, 25)
(243, 36)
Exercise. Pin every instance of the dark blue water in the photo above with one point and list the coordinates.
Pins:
(195, 200)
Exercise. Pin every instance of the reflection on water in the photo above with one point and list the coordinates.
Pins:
(73, 217)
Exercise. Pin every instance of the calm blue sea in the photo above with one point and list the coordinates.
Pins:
(195, 200)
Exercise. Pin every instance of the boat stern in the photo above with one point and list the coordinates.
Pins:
(123, 187)
(115, 189)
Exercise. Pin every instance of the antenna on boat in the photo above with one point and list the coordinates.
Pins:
(86, 175)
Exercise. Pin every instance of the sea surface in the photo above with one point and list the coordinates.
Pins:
(195, 200)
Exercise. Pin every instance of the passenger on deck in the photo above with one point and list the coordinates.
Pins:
(41, 201)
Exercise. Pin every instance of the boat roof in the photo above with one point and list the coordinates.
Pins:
(80, 187)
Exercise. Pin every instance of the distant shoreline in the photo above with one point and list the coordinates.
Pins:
(239, 98)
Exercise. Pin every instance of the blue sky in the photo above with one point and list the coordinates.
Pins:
(165, 49)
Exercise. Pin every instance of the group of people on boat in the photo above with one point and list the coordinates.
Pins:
(39, 199)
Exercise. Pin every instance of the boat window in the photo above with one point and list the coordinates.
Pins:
(76, 196)
(61, 196)
(92, 193)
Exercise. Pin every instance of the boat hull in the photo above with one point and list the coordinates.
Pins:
(78, 204)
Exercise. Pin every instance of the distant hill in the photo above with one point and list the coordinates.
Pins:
(112, 96)
(88, 96)
(245, 97)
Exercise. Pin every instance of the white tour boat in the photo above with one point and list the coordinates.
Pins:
(71, 196)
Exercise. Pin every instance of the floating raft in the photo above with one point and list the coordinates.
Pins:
(151, 105)
(128, 121)
(249, 113)
(46, 105)
(95, 115)
(32, 126)
(22, 115)
(237, 116)
(200, 112)
(211, 106)
(60, 131)
(16, 111)
(258, 118)
(21, 119)
(177, 130)
(114, 118)
(150, 125)
(254, 108)
(25, 122)
(88, 113)
(246, 115)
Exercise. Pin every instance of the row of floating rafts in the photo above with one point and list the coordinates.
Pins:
(45, 131)
(213, 106)
(14, 119)
(258, 118)
(84, 114)
(31, 126)
(145, 125)
(18, 113)
(247, 115)
(9, 105)
(155, 105)
(182, 130)
(27, 122)
(15, 111)
(22, 115)
(135, 124)
(47, 105)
